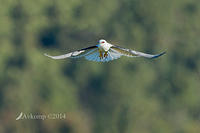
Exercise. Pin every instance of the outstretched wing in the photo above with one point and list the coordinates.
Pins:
(132, 53)
(75, 54)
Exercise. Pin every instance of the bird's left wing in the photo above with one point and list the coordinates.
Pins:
(133, 53)
(75, 54)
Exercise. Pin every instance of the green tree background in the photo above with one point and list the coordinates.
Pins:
(129, 95)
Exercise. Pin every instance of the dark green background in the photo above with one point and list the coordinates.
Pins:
(128, 95)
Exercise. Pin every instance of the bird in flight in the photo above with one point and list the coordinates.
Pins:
(104, 52)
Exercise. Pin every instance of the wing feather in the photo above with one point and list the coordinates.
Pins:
(75, 54)
(94, 56)
(133, 53)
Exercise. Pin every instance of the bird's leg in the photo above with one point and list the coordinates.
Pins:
(100, 54)
(106, 54)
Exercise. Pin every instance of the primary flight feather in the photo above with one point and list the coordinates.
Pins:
(104, 52)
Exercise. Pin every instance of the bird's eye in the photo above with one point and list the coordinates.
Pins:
(102, 42)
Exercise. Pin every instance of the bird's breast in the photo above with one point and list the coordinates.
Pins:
(104, 47)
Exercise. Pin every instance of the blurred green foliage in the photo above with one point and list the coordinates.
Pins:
(123, 96)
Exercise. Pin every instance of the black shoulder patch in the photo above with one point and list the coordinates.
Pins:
(88, 48)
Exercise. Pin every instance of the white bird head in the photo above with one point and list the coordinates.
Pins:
(102, 41)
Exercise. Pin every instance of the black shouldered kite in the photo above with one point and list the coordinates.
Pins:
(104, 52)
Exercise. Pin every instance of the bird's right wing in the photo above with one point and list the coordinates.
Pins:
(75, 54)
(133, 53)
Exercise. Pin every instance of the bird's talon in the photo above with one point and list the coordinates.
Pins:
(100, 54)
(106, 54)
